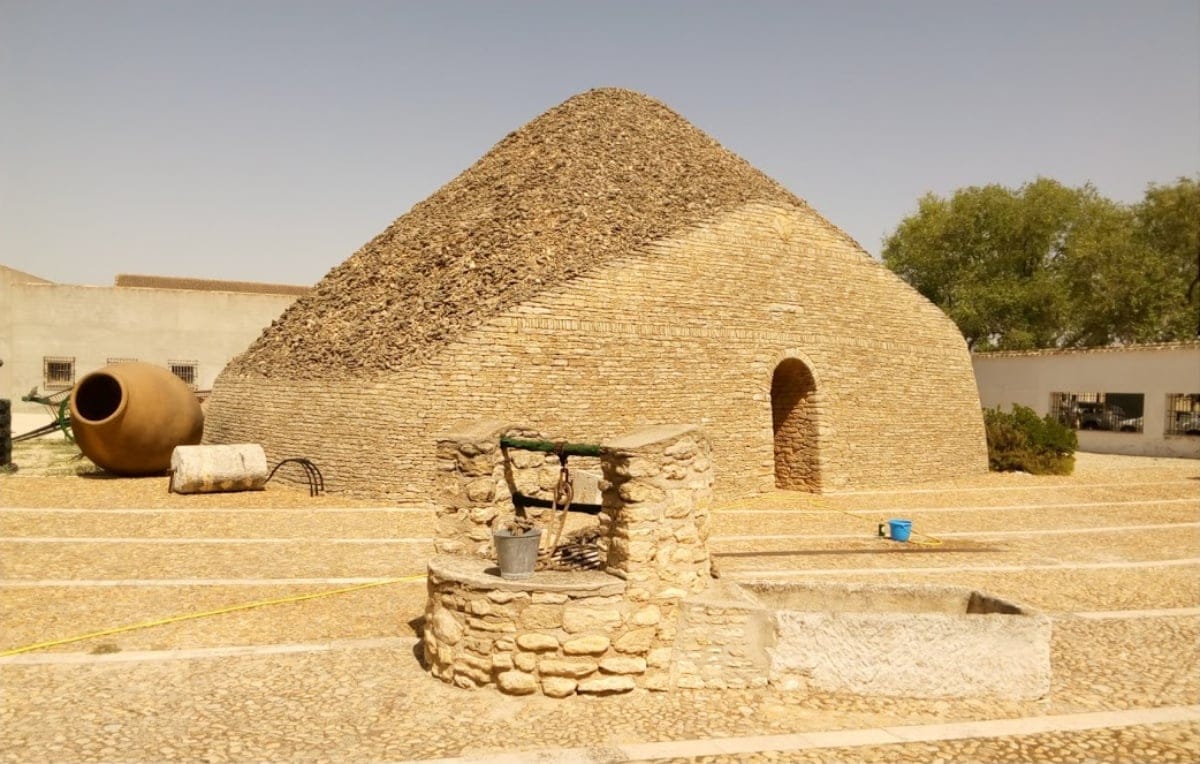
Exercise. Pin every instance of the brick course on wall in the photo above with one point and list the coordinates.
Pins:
(691, 328)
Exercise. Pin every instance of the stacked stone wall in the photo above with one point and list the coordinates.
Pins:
(690, 329)
(657, 502)
(559, 634)
(476, 480)
(721, 645)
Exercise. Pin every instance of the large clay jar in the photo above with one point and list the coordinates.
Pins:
(128, 418)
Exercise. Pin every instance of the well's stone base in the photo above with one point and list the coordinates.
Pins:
(656, 619)
(558, 633)
(563, 634)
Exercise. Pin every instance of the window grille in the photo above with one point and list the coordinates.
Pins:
(1114, 412)
(185, 370)
(58, 372)
(1183, 414)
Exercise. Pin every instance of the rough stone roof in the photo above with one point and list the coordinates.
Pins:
(596, 177)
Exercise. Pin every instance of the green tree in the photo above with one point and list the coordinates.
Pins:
(1046, 265)
(1107, 298)
(1168, 224)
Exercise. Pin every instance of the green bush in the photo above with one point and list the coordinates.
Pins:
(1023, 441)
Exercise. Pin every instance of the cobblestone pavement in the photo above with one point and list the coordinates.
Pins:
(1126, 745)
(337, 678)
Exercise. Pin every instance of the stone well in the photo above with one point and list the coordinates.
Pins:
(561, 633)
(654, 618)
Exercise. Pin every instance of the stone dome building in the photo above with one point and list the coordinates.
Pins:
(604, 267)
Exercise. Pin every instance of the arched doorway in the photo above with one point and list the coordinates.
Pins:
(794, 421)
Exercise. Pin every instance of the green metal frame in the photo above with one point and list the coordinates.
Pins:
(59, 410)
(553, 446)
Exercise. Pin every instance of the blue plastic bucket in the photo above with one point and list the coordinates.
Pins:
(900, 529)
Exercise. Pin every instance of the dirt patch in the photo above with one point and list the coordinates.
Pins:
(50, 457)
(53, 473)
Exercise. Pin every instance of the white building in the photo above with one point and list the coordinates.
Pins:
(53, 334)
(1142, 400)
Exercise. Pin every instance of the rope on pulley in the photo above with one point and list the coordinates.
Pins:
(564, 492)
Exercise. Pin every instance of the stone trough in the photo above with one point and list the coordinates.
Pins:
(867, 639)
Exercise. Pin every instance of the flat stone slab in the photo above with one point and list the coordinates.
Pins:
(647, 435)
(475, 431)
(485, 575)
(904, 640)
(838, 597)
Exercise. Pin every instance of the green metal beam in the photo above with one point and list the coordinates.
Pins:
(552, 446)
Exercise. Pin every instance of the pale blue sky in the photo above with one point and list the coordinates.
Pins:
(269, 139)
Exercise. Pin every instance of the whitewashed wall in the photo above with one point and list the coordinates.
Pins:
(92, 324)
(1156, 371)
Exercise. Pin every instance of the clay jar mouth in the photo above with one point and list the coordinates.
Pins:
(99, 397)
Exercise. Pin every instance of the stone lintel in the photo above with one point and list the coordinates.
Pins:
(471, 432)
(483, 575)
(649, 435)
(725, 594)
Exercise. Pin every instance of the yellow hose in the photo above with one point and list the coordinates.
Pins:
(205, 614)
(821, 504)
(932, 541)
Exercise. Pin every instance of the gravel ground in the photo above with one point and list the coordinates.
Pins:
(26, 562)
(1101, 664)
(100, 700)
(313, 522)
(1129, 745)
(33, 615)
(968, 522)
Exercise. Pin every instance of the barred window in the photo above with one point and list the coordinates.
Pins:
(58, 372)
(185, 370)
(1115, 412)
(1183, 414)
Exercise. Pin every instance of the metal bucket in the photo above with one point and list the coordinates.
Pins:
(517, 555)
